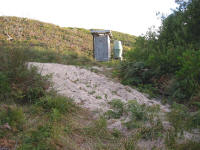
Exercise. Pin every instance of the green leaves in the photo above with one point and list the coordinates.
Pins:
(170, 58)
(12, 115)
(188, 76)
(56, 104)
(4, 86)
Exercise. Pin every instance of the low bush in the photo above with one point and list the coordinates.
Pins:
(18, 82)
(135, 73)
(188, 81)
(98, 129)
(151, 133)
(56, 103)
(138, 112)
(179, 116)
(12, 116)
(182, 119)
(38, 139)
(4, 86)
(118, 109)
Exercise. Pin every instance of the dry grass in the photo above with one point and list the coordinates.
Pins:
(49, 36)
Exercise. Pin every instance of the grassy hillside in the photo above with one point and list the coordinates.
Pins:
(38, 34)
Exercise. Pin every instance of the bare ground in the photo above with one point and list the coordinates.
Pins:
(91, 90)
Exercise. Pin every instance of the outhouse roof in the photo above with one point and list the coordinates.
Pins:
(100, 32)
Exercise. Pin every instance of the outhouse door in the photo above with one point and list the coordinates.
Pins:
(102, 48)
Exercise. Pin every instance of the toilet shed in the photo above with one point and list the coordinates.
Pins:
(101, 44)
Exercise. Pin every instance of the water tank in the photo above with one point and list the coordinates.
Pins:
(118, 49)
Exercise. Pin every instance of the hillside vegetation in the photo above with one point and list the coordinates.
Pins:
(34, 116)
(44, 35)
(168, 61)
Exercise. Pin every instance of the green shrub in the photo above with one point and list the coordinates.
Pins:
(179, 117)
(135, 73)
(23, 84)
(138, 112)
(56, 103)
(173, 51)
(38, 139)
(55, 115)
(195, 119)
(116, 133)
(188, 77)
(153, 132)
(32, 86)
(170, 139)
(12, 115)
(182, 119)
(4, 86)
(118, 109)
(98, 129)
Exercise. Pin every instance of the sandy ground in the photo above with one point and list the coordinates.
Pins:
(91, 90)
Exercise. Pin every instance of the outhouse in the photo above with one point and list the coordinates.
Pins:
(101, 44)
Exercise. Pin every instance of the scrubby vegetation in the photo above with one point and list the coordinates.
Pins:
(146, 123)
(165, 63)
(33, 118)
(41, 35)
(17, 82)
(168, 61)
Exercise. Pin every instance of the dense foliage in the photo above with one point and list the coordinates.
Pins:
(170, 58)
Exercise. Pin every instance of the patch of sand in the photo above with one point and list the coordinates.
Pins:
(90, 90)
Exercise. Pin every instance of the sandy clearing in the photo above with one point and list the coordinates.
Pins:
(91, 90)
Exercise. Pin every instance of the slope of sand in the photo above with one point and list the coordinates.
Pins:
(91, 90)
